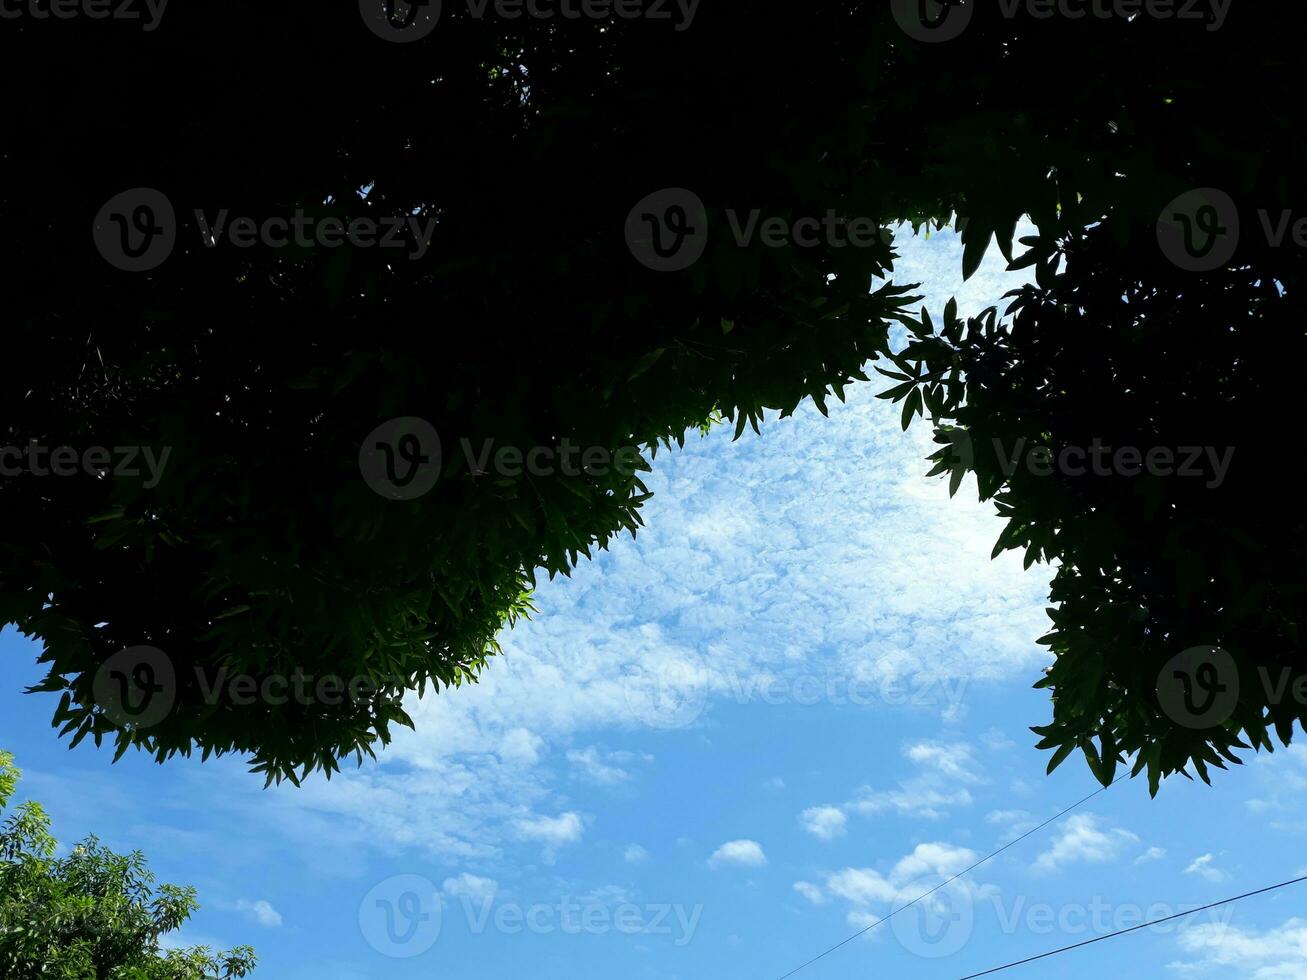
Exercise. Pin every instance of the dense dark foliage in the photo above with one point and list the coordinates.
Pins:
(527, 321)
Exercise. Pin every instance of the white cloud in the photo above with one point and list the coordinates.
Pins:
(745, 853)
(1152, 854)
(471, 887)
(1276, 954)
(810, 891)
(861, 885)
(1081, 838)
(824, 822)
(953, 761)
(590, 763)
(945, 770)
(634, 854)
(1204, 867)
(1283, 776)
(911, 877)
(562, 829)
(912, 800)
(259, 911)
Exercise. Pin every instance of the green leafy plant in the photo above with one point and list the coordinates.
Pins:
(92, 915)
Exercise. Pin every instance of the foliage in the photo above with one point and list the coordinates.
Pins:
(1115, 344)
(93, 915)
(528, 322)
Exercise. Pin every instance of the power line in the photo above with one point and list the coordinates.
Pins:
(1122, 932)
(987, 857)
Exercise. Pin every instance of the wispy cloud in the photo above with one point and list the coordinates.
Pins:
(590, 763)
(1152, 854)
(945, 771)
(1224, 950)
(811, 892)
(259, 911)
(1205, 867)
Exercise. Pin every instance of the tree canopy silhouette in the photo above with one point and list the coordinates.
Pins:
(531, 303)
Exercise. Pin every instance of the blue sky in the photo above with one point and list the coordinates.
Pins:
(799, 698)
